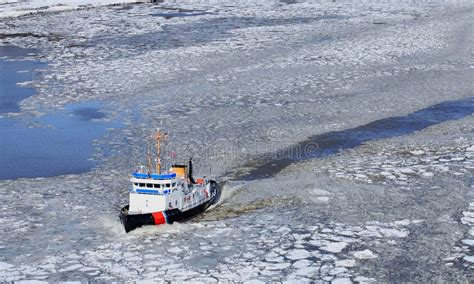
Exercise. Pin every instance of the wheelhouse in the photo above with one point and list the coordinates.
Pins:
(154, 183)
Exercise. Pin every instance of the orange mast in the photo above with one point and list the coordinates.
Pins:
(158, 136)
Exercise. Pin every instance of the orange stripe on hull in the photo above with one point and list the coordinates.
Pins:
(159, 218)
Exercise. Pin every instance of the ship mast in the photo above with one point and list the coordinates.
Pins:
(158, 136)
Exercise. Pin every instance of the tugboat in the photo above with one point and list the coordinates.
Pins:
(163, 198)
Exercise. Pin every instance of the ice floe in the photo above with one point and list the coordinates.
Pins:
(247, 67)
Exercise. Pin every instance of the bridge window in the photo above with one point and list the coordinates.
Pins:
(149, 185)
(156, 185)
(174, 184)
(142, 185)
(168, 185)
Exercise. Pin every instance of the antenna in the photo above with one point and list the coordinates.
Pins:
(148, 157)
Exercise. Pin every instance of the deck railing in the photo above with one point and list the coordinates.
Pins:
(195, 201)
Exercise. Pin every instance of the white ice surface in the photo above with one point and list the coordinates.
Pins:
(270, 74)
(16, 8)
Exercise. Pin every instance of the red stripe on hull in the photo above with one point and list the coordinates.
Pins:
(159, 218)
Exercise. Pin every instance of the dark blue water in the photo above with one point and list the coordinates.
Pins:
(324, 145)
(62, 141)
(62, 144)
(16, 66)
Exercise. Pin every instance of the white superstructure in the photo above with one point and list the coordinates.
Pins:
(161, 192)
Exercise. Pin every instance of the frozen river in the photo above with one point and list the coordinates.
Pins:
(342, 133)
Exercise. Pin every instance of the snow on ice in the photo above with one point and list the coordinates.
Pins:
(250, 78)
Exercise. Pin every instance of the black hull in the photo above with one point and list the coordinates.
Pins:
(131, 222)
